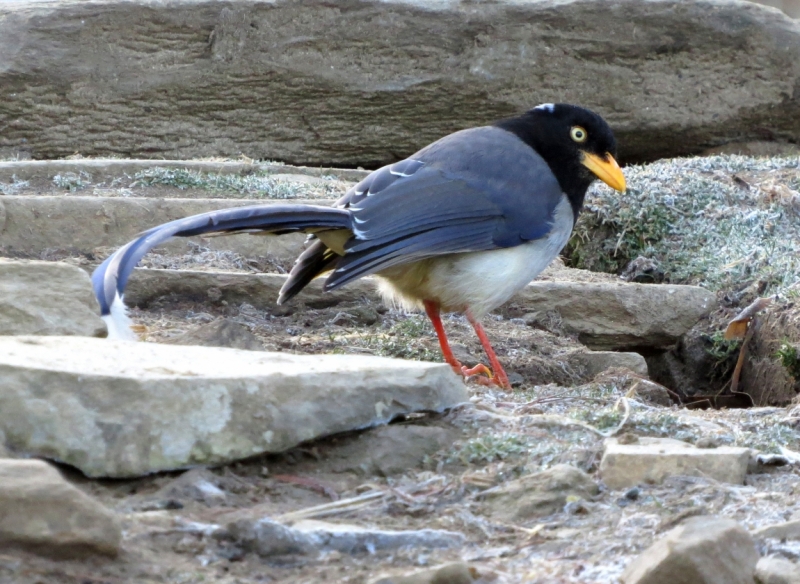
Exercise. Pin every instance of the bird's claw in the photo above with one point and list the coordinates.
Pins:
(484, 376)
(480, 369)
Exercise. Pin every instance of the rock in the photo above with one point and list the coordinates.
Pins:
(222, 332)
(736, 64)
(121, 409)
(41, 511)
(643, 389)
(198, 484)
(47, 298)
(594, 362)
(786, 530)
(391, 450)
(269, 538)
(774, 570)
(621, 316)
(37, 225)
(689, 366)
(702, 550)
(651, 460)
(539, 494)
(789, 7)
(455, 573)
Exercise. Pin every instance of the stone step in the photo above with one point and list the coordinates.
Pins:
(123, 409)
(34, 225)
(107, 169)
(47, 298)
(604, 315)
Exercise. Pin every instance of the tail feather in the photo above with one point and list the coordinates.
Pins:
(111, 277)
(312, 262)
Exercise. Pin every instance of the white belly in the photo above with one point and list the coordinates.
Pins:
(477, 281)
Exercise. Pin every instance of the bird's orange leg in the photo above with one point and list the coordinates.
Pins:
(500, 377)
(432, 310)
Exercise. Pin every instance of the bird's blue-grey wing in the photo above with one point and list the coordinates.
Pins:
(474, 190)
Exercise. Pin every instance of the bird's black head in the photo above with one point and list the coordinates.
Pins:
(576, 143)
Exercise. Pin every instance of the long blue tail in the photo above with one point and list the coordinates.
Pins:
(110, 278)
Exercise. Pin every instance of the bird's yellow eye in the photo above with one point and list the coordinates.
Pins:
(578, 134)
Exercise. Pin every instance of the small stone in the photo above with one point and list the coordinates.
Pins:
(628, 438)
(651, 460)
(41, 511)
(364, 315)
(455, 573)
(702, 550)
(633, 494)
(786, 530)
(222, 332)
(539, 494)
(390, 450)
(629, 381)
(515, 379)
(774, 570)
(595, 362)
(707, 442)
(463, 354)
(198, 484)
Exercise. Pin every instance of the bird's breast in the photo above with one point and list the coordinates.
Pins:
(479, 281)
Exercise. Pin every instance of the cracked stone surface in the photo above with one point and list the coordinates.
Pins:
(121, 409)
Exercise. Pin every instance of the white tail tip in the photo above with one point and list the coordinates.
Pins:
(118, 322)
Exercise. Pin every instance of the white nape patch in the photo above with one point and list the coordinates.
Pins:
(118, 322)
(548, 107)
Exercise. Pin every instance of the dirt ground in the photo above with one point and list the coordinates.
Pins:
(494, 439)
(556, 414)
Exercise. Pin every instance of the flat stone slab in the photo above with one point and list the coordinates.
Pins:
(47, 298)
(785, 530)
(124, 409)
(619, 316)
(270, 538)
(33, 225)
(651, 460)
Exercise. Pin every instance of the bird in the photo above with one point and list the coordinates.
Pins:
(459, 226)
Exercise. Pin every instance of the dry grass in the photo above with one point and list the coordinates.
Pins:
(721, 222)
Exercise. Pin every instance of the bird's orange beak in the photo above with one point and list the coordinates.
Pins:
(606, 169)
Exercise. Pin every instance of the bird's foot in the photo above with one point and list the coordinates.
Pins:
(479, 370)
(484, 376)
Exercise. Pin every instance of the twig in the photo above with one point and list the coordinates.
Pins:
(742, 352)
(341, 506)
(625, 417)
